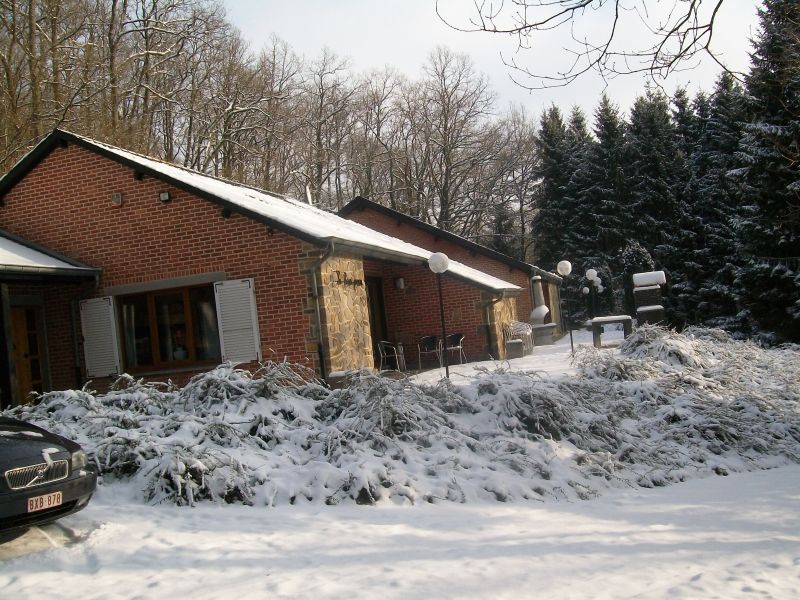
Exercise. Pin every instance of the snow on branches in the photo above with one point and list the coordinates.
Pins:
(665, 408)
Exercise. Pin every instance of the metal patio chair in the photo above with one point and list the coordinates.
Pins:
(455, 343)
(388, 353)
(430, 344)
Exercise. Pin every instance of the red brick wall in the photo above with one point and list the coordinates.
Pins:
(409, 233)
(65, 204)
(413, 312)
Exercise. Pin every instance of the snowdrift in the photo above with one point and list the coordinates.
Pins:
(665, 408)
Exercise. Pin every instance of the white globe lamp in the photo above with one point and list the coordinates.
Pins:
(564, 268)
(438, 262)
(591, 274)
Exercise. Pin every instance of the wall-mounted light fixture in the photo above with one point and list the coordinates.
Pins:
(116, 198)
(226, 213)
(400, 283)
(164, 197)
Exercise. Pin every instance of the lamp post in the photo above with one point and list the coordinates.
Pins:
(597, 288)
(439, 263)
(564, 268)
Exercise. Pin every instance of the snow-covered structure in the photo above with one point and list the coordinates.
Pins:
(539, 304)
(114, 262)
(647, 295)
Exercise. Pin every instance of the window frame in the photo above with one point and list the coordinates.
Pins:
(158, 364)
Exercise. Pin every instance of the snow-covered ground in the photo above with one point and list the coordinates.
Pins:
(476, 486)
(720, 537)
(550, 360)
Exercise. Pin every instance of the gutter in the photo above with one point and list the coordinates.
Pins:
(317, 264)
(56, 272)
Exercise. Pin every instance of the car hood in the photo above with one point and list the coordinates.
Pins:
(23, 441)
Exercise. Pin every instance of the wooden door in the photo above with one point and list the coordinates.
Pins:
(28, 353)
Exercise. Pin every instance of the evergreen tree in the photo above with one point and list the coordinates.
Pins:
(686, 122)
(548, 225)
(605, 195)
(770, 176)
(505, 237)
(579, 238)
(690, 119)
(716, 205)
(657, 176)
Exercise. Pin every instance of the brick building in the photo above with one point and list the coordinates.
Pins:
(419, 233)
(114, 262)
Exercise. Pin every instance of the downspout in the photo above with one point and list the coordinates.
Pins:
(320, 351)
(493, 343)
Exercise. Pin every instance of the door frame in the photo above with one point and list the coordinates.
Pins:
(378, 302)
(36, 302)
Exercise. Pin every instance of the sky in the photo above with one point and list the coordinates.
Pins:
(401, 33)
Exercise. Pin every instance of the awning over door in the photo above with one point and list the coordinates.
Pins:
(21, 260)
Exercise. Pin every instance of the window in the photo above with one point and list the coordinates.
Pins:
(169, 328)
(164, 329)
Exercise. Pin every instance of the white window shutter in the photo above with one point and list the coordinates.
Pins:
(99, 328)
(238, 320)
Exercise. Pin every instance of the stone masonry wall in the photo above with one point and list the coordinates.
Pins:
(346, 313)
(501, 312)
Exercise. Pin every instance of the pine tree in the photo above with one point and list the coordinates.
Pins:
(579, 238)
(688, 274)
(716, 205)
(548, 225)
(686, 122)
(505, 237)
(770, 176)
(657, 174)
(605, 196)
(582, 238)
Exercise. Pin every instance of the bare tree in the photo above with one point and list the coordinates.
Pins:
(327, 119)
(600, 33)
(456, 106)
(520, 181)
(371, 150)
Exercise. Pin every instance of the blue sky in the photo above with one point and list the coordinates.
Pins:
(401, 33)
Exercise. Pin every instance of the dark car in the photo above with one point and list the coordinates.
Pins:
(43, 476)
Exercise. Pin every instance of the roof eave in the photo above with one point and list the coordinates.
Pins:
(361, 203)
(34, 273)
(60, 137)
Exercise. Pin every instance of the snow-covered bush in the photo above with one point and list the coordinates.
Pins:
(664, 408)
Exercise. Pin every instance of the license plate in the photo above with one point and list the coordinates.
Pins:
(44, 502)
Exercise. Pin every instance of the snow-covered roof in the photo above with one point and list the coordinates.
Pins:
(360, 203)
(297, 218)
(23, 258)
